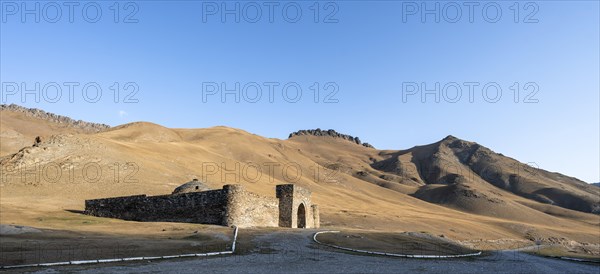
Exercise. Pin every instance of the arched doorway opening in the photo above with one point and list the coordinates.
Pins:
(301, 216)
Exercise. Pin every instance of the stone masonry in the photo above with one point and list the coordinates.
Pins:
(231, 205)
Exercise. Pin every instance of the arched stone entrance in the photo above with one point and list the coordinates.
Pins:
(295, 207)
(301, 216)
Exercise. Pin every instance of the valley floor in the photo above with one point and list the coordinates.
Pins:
(279, 252)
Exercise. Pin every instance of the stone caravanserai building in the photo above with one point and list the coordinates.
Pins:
(229, 206)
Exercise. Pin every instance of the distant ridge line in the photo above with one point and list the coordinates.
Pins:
(59, 119)
(330, 133)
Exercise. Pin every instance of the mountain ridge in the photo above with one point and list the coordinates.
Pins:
(55, 118)
(329, 133)
(453, 187)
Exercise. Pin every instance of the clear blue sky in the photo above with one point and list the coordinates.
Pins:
(369, 53)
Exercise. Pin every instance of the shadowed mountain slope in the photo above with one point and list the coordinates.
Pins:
(452, 187)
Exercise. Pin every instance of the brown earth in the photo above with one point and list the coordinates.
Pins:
(411, 243)
(453, 187)
(47, 246)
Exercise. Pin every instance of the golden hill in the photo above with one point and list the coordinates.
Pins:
(453, 187)
(19, 126)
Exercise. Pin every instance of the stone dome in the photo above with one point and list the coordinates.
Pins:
(191, 186)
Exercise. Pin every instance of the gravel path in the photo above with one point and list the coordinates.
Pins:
(295, 252)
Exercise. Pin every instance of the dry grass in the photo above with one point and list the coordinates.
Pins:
(399, 243)
(167, 158)
(57, 245)
(562, 251)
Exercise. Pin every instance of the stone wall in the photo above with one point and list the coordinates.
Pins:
(206, 207)
(316, 216)
(291, 197)
(247, 209)
(232, 205)
(285, 194)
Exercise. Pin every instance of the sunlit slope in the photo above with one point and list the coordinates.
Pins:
(20, 126)
(355, 186)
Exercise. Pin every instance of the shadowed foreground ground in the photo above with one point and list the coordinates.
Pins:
(295, 252)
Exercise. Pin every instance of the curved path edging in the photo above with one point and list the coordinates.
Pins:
(391, 254)
(227, 252)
